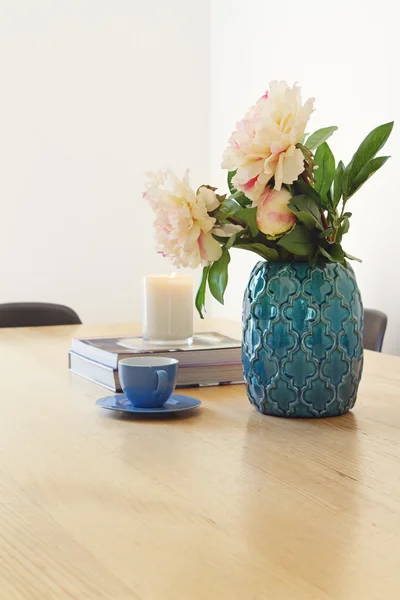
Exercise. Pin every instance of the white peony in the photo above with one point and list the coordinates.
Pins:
(183, 225)
(264, 144)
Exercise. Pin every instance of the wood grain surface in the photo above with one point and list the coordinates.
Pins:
(225, 504)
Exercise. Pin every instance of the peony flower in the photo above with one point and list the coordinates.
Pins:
(183, 224)
(273, 215)
(264, 143)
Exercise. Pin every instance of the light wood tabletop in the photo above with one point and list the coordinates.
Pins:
(225, 504)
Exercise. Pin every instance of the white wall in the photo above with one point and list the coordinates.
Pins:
(344, 53)
(94, 93)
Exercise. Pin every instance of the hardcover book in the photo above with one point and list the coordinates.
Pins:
(188, 375)
(207, 349)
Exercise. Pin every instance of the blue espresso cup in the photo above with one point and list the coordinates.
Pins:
(148, 382)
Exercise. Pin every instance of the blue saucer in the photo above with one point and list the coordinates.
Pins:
(175, 404)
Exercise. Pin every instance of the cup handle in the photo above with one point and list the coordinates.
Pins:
(162, 381)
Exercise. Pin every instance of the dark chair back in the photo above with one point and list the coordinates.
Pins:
(34, 314)
(375, 323)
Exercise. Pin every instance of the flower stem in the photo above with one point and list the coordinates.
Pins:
(326, 226)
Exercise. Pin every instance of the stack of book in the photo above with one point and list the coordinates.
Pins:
(212, 359)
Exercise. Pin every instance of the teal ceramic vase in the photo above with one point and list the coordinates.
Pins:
(302, 339)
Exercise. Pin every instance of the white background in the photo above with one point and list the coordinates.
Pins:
(96, 92)
(345, 54)
(93, 93)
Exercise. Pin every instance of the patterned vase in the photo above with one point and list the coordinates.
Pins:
(302, 339)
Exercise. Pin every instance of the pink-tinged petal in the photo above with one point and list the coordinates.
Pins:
(250, 170)
(273, 214)
(208, 197)
(293, 165)
(210, 250)
(277, 148)
(190, 237)
(249, 185)
(182, 219)
(279, 172)
(278, 217)
(251, 179)
(269, 129)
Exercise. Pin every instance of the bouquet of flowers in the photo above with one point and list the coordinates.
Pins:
(287, 200)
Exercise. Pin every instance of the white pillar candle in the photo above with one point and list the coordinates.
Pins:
(168, 307)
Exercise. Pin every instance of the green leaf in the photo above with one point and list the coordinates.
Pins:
(307, 190)
(231, 241)
(307, 211)
(242, 199)
(325, 253)
(201, 292)
(231, 175)
(298, 241)
(264, 251)
(346, 225)
(227, 209)
(342, 218)
(247, 217)
(220, 239)
(284, 255)
(350, 257)
(345, 182)
(326, 169)
(367, 150)
(218, 276)
(366, 172)
(314, 257)
(326, 232)
(335, 253)
(319, 137)
(337, 184)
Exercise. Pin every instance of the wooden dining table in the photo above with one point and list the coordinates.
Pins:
(222, 504)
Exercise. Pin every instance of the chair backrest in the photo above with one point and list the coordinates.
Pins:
(375, 323)
(33, 314)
